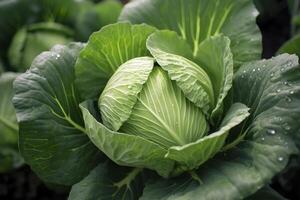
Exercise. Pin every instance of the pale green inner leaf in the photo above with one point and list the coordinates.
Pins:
(194, 154)
(215, 56)
(190, 77)
(163, 115)
(121, 91)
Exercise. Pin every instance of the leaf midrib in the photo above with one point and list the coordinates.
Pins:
(171, 132)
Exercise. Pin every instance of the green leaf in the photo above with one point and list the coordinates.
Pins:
(106, 50)
(215, 56)
(108, 181)
(194, 154)
(95, 16)
(52, 139)
(266, 193)
(292, 46)
(9, 157)
(125, 149)
(272, 90)
(163, 115)
(34, 39)
(272, 129)
(197, 20)
(169, 51)
(121, 92)
(8, 120)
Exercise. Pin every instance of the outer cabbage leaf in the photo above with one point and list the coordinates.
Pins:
(125, 149)
(52, 138)
(292, 46)
(108, 181)
(169, 50)
(194, 154)
(121, 92)
(271, 89)
(106, 50)
(196, 20)
(219, 66)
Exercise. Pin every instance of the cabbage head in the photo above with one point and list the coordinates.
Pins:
(172, 102)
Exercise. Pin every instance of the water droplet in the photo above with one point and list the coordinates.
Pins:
(129, 87)
(258, 69)
(255, 13)
(262, 139)
(254, 70)
(272, 74)
(285, 83)
(278, 90)
(264, 65)
(292, 92)
(271, 131)
(280, 158)
(243, 76)
(244, 71)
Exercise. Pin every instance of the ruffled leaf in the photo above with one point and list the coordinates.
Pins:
(194, 154)
(219, 67)
(197, 20)
(125, 149)
(169, 50)
(107, 50)
(51, 137)
(121, 92)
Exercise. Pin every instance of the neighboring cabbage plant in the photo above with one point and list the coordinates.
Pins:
(31, 40)
(9, 155)
(176, 109)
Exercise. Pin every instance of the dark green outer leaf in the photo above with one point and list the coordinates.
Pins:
(108, 181)
(273, 127)
(266, 193)
(196, 20)
(52, 139)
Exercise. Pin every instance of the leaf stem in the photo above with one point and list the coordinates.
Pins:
(195, 176)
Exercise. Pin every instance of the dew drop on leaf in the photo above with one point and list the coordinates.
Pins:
(280, 159)
(271, 131)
